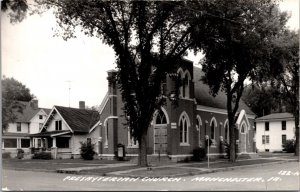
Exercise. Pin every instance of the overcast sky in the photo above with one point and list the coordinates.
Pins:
(46, 64)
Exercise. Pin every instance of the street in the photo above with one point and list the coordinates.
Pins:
(269, 177)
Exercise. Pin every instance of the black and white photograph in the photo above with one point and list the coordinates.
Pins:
(107, 95)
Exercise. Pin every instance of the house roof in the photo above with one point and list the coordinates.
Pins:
(50, 133)
(203, 96)
(276, 116)
(79, 120)
(28, 112)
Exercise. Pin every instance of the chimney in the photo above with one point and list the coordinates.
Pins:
(34, 103)
(283, 109)
(81, 105)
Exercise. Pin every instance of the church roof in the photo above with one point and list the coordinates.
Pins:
(203, 96)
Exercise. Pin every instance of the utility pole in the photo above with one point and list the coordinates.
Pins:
(69, 82)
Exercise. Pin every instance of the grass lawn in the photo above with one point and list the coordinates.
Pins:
(52, 165)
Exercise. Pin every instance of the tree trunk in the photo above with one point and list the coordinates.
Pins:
(142, 159)
(232, 142)
(297, 132)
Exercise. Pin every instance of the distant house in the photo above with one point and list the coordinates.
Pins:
(273, 130)
(65, 128)
(176, 129)
(29, 121)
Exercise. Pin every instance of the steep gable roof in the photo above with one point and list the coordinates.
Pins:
(79, 120)
(27, 113)
(203, 96)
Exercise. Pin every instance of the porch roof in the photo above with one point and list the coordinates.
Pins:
(15, 134)
(50, 133)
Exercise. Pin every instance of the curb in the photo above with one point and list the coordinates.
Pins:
(206, 171)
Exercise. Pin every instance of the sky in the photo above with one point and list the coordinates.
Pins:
(62, 72)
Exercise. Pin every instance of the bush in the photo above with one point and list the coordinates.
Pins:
(227, 149)
(198, 154)
(42, 155)
(289, 146)
(20, 153)
(87, 151)
(6, 155)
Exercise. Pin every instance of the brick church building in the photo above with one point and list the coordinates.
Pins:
(176, 130)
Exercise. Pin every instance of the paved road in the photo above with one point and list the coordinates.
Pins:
(241, 179)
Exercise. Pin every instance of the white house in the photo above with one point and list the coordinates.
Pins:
(65, 128)
(29, 121)
(273, 130)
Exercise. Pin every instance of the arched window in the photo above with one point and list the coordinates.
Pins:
(243, 128)
(160, 118)
(184, 124)
(213, 126)
(186, 85)
(181, 84)
(198, 127)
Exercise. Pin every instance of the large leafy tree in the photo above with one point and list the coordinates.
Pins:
(285, 55)
(237, 48)
(263, 98)
(16, 9)
(148, 37)
(12, 92)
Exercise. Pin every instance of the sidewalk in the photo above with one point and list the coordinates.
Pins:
(173, 170)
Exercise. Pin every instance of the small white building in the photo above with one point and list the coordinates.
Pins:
(273, 130)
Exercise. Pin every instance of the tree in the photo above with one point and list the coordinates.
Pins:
(285, 55)
(237, 48)
(264, 99)
(148, 37)
(12, 92)
(16, 9)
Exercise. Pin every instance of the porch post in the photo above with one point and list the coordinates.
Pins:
(54, 148)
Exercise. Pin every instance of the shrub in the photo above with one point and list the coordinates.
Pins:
(20, 153)
(42, 155)
(6, 155)
(289, 146)
(87, 151)
(198, 154)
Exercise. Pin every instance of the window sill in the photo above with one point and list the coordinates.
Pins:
(184, 144)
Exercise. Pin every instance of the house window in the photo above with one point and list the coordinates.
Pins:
(183, 125)
(164, 87)
(62, 142)
(265, 139)
(40, 125)
(40, 116)
(180, 82)
(58, 125)
(18, 127)
(132, 142)
(283, 139)
(213, 125)
(25, 143)
(10, 143)
(89, 140)
(283, 125)
(266, 126)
